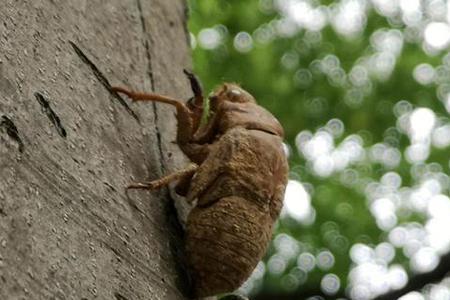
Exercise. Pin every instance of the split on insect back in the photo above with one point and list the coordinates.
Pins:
(237, 178)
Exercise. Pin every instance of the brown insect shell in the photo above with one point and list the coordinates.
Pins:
(239, 189)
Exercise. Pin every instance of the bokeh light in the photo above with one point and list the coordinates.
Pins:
(365, 85)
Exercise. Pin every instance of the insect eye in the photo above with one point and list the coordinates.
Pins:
(234, 93)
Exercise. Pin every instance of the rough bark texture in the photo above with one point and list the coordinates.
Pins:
(67, 228)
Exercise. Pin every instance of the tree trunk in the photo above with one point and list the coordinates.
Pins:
(69, 146)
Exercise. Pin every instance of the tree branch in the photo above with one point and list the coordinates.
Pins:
(418, 281)
(415, 283)
(298, 294)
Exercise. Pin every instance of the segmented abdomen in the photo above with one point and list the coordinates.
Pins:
(224, 243)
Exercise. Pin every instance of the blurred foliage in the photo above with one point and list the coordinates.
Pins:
(284, 66)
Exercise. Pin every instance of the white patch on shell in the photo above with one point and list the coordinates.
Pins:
(235, 92)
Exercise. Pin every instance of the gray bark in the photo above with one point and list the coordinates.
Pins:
(67, 228)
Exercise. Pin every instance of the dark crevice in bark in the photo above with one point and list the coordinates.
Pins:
(51, 114)
(147, 45)
(176, 238)
(152, 81)
(103, 80)
(12, 131)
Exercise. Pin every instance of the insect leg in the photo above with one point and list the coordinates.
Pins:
(184, 114)
(196, 88)
(159, 183)
(135, 96)
(183, 185)
(195, 104)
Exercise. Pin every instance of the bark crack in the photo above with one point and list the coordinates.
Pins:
(152, 83)
(183, 282)
(103, 80)
(147, 46)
